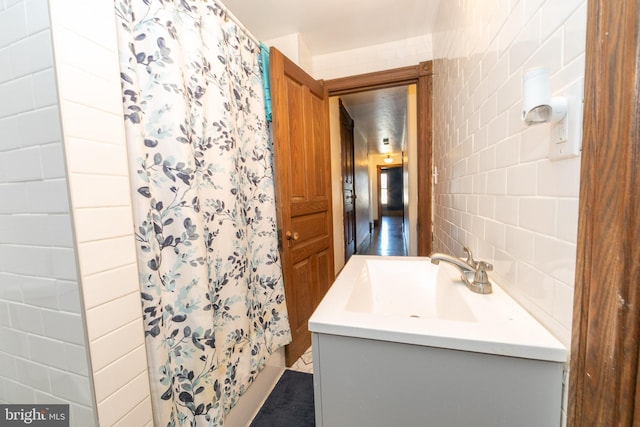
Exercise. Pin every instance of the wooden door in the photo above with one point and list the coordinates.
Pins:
(348, 188)
(303, 191)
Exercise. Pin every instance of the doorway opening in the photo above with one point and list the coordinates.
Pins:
(414, 229)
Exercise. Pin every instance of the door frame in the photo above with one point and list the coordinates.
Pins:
(421, 76)
(604, 380)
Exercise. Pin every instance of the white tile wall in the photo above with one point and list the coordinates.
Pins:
(43, 356)
(92, 121)
(498, 192)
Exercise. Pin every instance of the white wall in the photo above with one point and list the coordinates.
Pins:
(43, 357)
(498, 192)
(368, 59)
(410, 178)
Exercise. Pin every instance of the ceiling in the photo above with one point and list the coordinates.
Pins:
(379, 114)
(328, 26)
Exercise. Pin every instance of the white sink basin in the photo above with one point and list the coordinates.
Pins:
(409, 300)
(407, 288)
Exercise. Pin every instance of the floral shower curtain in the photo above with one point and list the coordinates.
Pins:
(201, 161)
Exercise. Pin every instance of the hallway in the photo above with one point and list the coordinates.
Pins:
(387, 239)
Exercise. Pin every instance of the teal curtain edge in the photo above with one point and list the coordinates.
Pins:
(266, 85)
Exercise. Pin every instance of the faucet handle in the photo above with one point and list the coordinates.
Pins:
(469, 260)
(481, 278)
(483, 265)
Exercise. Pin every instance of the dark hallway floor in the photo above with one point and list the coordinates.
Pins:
(387, 239)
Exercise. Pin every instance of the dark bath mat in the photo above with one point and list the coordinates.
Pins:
(290, 403)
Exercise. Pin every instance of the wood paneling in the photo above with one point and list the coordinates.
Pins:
(603, 388)
(425, 141)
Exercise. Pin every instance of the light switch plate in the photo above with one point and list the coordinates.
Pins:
(565, 140)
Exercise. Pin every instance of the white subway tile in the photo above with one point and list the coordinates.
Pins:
(497, 182)
(103, 223)
(522, 180)
(68, 296)
(102, 255)
(84, 122)
(76, 356)
(82, 416)
(17, 96)
(567, 220)
(18, 393)
(48, 196)
(535, 143)
(115, 376)
(559, 178)
(8, 366)
(556, 258)
(31, 54)
(562, 303)
(33, 375)
(23, 165)
(494, 234)
(13, 23)
(508, 152)
(141, 415)
(71, 386)
(36, 261)
(556, 13)
(14, 342)
(84, 88)
(95, 58)
(525, 44)
(507, 209)
(112, 409)
(95, 191)
(45, 130)
(67, 327)
(53, 163)
(548, 56)
(5, 66)
(40, 292)
(10, 285)
(520, 243)
(45, 93)
(538, 214)
(37, 15)
(26, 318)
(115, 314)
(488, 159)
(111, 347)
(537, 286)
(108, 285)
(47, 352)
(91, 157)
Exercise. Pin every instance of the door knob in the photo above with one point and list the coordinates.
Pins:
(292, 236)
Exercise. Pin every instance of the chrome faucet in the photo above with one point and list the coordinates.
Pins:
(480, 283)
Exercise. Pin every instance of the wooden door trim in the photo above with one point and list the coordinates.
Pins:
(421, 76)
(604, 380)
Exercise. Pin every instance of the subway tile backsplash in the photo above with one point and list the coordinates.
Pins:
(498, 192)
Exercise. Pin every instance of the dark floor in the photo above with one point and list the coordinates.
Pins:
(387, 238)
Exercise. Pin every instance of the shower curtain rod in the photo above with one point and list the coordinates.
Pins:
(238, 23)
